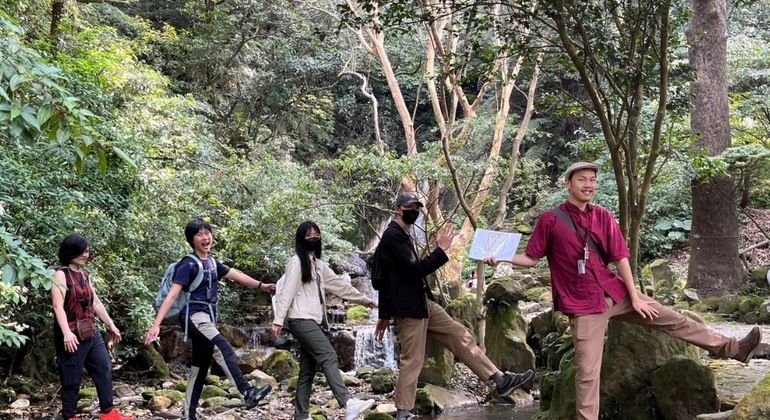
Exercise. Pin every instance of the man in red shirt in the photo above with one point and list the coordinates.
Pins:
(580, 239)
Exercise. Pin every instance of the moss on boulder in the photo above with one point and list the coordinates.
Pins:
(756, 404)
(281, 365)
(359, 313)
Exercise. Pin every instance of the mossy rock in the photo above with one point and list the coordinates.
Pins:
(505, 292)
(84, 405)
(756, 404)
(524, 229)
(463, 310)
(383, 381)
(764, 312)
(423, 403)
(210, 391)
(159, 403)
(147, 394)
(751, 317)
(173, 394)
(682, 305)
(87, 392)
(535, 294)
(750, 303)
(181, 386)
(684, 388)
(728, 304)
(292, 386)
(438, 365)
(148, 359)
(281, 365)
(359, 313)
(759, 277)
(506, 338)
(317, 413)
(213, 402)
(212, 380)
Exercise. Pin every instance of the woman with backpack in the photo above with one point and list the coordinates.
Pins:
(300, 306)
(78, 342)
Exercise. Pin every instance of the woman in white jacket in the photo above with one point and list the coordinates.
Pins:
(300, 305)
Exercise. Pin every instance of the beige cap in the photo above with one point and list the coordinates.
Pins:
(577, 166)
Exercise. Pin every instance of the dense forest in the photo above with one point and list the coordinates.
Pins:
(121, 120)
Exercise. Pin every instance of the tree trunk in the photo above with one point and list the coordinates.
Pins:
(714, 260)
(57, 14)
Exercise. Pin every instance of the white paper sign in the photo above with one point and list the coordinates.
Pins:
(491, 243)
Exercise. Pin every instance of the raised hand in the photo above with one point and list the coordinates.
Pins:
(445, 237)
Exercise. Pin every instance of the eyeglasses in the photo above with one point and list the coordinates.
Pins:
(312, 237)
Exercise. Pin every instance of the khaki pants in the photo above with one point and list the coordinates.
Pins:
(412, 334)
(588, 336)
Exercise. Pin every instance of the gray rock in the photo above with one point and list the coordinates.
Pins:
(447, 399)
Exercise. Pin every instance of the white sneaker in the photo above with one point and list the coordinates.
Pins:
(355, 407)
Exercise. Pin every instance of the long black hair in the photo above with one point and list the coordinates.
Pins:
(302, 251)
(72, 247)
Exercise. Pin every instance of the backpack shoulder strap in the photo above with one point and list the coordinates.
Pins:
(564, 217)
(198, 277)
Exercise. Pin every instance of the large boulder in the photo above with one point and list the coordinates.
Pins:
(345, 345)
(281, 365)
(506, 331)
(251, 359)
(150, 361)
(438, 367)
(234, 335)
(504, 292)
(463, 310)
(756, 404)
(631, 354)
(448, 399)
(684, 388)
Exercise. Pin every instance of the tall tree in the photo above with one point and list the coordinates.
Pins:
(714, 262)
(621, 52)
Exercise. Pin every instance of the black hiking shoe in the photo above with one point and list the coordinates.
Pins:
(514, 381)
(254, 395)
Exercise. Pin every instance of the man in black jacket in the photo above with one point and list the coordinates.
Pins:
(406, 297)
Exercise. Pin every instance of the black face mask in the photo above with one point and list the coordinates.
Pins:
(313, 244)
(410, 216)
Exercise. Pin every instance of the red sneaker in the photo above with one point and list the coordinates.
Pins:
(114, 415)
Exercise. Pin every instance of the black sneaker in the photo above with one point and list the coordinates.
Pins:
(254, 395)
(514, 381)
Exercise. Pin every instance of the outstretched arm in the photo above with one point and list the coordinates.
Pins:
(246, 280)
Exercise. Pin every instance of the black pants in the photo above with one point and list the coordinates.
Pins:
(208, 343)
(94, 357)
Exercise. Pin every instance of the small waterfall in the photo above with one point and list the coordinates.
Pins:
(372, 352)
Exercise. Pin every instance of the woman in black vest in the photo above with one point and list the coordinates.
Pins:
(78, 342)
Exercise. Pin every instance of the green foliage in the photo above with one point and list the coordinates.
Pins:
(18, 269)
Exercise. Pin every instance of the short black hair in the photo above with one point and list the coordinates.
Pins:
(72, 247)
(193, 227)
